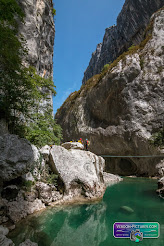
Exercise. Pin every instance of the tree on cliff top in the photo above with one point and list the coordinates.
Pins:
(20, 87)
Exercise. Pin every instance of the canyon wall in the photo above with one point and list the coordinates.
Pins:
(119, 112)
(38, 31)
(130, 29)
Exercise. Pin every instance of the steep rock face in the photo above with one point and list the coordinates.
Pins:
(120, 113)
(129, 30)
(39, 32)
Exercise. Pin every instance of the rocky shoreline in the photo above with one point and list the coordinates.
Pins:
(34, 179)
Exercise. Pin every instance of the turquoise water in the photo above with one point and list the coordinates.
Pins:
(92, 224)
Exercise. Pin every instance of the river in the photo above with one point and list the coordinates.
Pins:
(92, 224)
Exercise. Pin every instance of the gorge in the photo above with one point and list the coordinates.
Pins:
(121, 108)
(58, 193)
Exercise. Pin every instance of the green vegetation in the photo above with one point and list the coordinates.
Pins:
(158, 138)
(22, 89)
(105, 68)
(43, 130)
(54, 11)
(141, 62)
(52, 179)
(27, 185)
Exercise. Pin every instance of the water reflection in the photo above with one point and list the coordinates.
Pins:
(92, 225)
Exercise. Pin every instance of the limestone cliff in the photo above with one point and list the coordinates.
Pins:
(119, 110)
(129, 30)
(38, 31)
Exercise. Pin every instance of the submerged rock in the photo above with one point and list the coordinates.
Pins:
(127, 209)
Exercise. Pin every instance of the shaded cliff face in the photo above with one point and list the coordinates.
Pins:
(39, 31)
(120, 112)
(130, 28)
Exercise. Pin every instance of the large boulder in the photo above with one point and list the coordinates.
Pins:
(80, 171)
(16, 156)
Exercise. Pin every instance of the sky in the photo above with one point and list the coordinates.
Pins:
(80, 25)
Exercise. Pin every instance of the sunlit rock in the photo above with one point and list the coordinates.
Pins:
(73, 145)
(80, 171)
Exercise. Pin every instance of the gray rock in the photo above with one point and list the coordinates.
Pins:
(16, 156)
(73, 145)
(3, 219)
(160, 190)
(4, 241)
(3, 230)
(28, 243)
(160, 168)
(44, 191)
(120, 114)
(131, 24)
(39, 33)
(45, 151)
(80, 171)
(28, 177)
(56, 196)
(21, 207)
(39, 163)
(30, 196)
(110, 179)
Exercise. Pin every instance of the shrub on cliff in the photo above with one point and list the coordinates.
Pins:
(158, 138)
